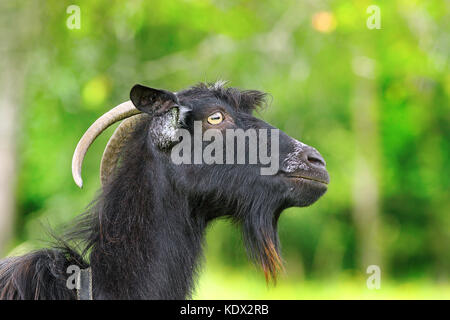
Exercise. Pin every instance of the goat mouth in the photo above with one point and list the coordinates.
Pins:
(301, 177)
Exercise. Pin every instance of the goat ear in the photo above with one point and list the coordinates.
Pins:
(252, 99)
(152, 101)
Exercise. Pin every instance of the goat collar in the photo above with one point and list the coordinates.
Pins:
(84, 290)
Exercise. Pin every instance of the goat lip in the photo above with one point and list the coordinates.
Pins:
(316, 179)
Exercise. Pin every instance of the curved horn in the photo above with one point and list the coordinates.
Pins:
(116, 142)
(122, 111)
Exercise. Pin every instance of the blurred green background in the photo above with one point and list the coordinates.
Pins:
(374, 102)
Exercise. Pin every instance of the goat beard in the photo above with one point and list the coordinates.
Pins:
(262, 243)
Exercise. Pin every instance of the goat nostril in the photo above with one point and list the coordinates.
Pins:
(316, 161)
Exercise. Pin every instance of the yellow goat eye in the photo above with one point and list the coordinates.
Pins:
(215, 118)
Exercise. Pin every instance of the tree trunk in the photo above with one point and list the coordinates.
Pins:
(8, 120)
(365, 187)
(16, 29)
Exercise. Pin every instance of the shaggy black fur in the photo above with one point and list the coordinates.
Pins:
(143, 236)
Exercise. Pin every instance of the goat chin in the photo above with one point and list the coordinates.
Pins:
(306, 192)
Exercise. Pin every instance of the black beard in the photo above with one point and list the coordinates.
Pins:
(259, 227)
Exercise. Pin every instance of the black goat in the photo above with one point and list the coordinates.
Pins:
(142, 238)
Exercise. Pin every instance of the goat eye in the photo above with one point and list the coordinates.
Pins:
(215, 118)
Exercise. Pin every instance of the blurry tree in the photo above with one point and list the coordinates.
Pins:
(18, 28)
(366, 188)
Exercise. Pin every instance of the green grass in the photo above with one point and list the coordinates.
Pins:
(227, 284)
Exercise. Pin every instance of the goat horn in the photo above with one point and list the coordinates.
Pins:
(122, 111)
(116, 142)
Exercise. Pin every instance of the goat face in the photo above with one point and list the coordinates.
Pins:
(197, 135)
